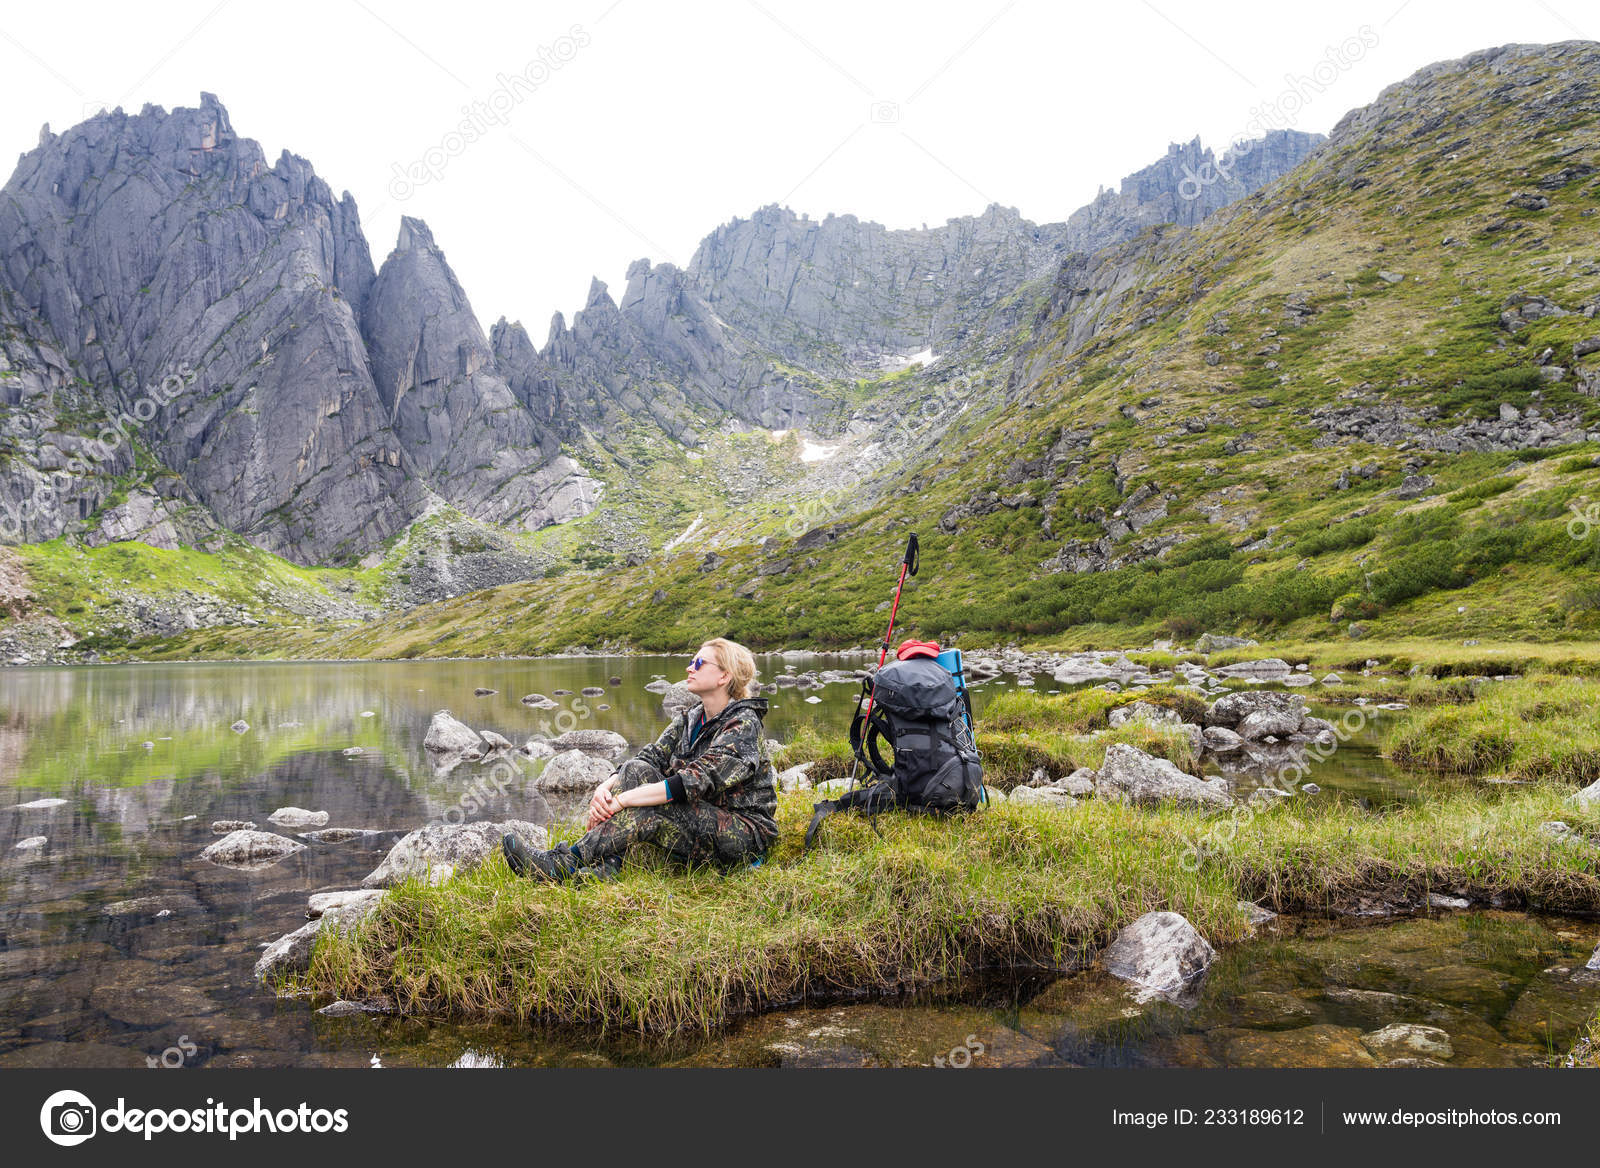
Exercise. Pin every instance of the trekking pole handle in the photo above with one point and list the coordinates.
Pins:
(910, 560)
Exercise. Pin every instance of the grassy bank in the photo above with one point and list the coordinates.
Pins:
(1541, 727)
(928, 903)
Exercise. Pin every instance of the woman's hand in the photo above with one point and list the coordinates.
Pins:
(603, 804)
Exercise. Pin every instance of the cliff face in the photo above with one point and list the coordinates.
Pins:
(160, 246)
(1185, 187)
(193, 341)
(846, 297)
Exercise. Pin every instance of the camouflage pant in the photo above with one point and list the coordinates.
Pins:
(691, 833)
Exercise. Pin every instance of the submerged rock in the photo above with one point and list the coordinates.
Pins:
(440, 850)
(143, 906)
(539, 702)
(1408, 1040)
(224, 826)
(336, 835)
(1161, 952)
(1128, 773)
(250, 849)
(496, 742)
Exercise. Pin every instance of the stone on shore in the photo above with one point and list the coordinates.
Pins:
(1129, 774)
(440, 850)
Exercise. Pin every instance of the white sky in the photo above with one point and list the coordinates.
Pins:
(674, 118)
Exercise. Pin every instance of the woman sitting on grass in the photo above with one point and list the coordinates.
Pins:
(705, 791)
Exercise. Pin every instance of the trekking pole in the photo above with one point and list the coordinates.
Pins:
(908, 563)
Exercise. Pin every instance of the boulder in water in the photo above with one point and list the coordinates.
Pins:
(250, 849)
(446, 735)
(1160, 952)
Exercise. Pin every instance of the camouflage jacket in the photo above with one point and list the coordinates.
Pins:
(727, 764)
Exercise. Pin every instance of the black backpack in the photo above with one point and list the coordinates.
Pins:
(916, 707)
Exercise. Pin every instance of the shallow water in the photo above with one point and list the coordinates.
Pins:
(81, 985)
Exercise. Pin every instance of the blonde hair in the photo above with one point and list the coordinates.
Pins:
(734, 658)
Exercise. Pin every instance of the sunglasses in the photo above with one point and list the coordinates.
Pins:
(698, 663)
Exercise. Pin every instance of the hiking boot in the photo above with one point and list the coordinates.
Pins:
(556, 864)
(606, 868)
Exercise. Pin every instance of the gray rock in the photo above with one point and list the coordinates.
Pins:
(573, 770)
(297, 817)
(537, 748)
(250, 849)
(1221, 740)
(446, 735)
(1212, 642)
(1589, 796)
(497, 743)
(336, 835)
(240, 726)
(321, 902)
(795, 778)
(1080, 782)
(1054, 797)
(1142, 711)
(149, 906)
(1408, 1040)
(32, 843)
(1160, 952)
(440, 850)
(1130, 774)
(1231, 709)
(606, 744)
(224, 826)
(540, 702)
(1262, 723)
(291, 953)
(1273, 668)
(678, 699)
